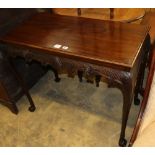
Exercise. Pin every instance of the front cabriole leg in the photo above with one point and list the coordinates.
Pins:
(127, 91)
(123, 81)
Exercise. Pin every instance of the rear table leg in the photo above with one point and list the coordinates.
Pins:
(139, 85)
(97, 79)
(57, 79)
(80, 75)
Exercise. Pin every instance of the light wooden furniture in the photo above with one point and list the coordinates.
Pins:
(129, 15)
(109, 50)
(111, 15)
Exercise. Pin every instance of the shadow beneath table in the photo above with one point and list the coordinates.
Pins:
(102, 101)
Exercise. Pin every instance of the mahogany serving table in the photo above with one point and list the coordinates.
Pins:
(113, 52)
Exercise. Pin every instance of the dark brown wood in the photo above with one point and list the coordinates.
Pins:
(92, 40)
(139, 86)
(6, 97)
(97, 79)
(79, 11)
(111, 50)
(3, 94)
(10, 17)
(144, 101)
(57, 79)
(111, 13)
(6, 100)
(22, 84)
(5, 88)
(80, 75)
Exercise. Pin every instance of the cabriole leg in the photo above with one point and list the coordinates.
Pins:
(127, 100)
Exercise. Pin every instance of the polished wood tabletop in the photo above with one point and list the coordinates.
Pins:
(106, 43)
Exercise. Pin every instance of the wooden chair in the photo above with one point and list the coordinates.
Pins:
(123, 15)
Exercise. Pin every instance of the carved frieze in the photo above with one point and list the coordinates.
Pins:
(114, 78)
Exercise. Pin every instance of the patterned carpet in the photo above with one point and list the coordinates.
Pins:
(68, 113)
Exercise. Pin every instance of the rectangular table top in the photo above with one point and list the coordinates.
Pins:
(97, 41)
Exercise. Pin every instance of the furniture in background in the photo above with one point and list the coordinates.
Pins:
(10, 88)
(8, 73)
(127, 15)
(111, 12)
(119, 58)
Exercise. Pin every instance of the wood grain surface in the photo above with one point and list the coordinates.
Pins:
(96, 41)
